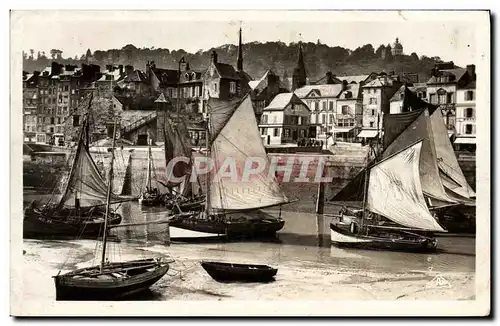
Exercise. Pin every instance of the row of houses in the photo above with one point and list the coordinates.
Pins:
(335, 108)
(351, 108)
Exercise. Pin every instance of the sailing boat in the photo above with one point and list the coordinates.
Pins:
(392, 190)
(109, 280)
(443, 183)
(233, 207)
(151, 196)
(79, 211)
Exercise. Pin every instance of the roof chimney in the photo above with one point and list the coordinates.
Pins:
(471, 70)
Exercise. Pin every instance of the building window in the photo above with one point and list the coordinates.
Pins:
(424, 94)
(433, 98)
(316, 106)
(76, 120)
(262, 131)
(276, 132)
(469, 113)
(331, 118)
(323, 118)
(264, 119)
(373, 100)
(345, 109)
(402, 96)
(449, 98)
(371, 124)
(468, 129)
(287, 133)
(442, 98)
(373, 112)
(469, 96)
(232, 87)
(324, 105)
(215, 87)
(330, 104)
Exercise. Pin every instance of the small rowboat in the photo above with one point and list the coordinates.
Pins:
(227, 272)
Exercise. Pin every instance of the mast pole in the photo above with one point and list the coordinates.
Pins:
(207, 142)
(108, 199)
(365, 191)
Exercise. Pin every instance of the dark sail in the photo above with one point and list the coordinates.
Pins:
(395, 124)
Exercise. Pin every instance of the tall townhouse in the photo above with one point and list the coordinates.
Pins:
(465, 124)
(376, 102)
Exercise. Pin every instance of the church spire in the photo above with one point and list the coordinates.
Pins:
(299, 73)
(240, 54)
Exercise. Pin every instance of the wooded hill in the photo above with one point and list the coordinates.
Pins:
(257, 58)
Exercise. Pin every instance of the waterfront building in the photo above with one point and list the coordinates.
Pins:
(442, 89)
(465, 125)
(285, 120)
(376, 102)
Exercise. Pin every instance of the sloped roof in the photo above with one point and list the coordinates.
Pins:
(166, 76)
(226, 71)
(137, 103)
(470, 85)
(327, 90)
(415, 89)
(457, 73)
(136, 76)
(357, 78)
(354, 90)
(281, 100)
(380, 82)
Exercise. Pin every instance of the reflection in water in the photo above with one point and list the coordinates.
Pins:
(305, 239)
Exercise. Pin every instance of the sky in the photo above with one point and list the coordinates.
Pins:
(450, 37)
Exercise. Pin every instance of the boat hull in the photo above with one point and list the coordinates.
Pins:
(227, 272)
(232, 227)
(37, 224)
(342, 237)
(70, 288)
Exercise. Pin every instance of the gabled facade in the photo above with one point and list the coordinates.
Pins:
(322, 102)
(376, 102)
(285, 120)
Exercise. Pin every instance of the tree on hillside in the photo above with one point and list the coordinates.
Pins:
(414, 56)
(379, 51)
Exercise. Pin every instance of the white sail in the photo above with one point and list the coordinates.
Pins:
(236, 142)
(451, 174)
(395, 191)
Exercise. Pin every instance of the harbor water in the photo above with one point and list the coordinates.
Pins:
(308, 266)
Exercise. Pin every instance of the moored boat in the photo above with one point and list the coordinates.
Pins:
(109, 280)
(392, 191)
(231, 272)
(232, 208)
(79, 210)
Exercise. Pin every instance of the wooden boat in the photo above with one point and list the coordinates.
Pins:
(392, 191)
(114, 281)
(79, 210)
(233, 208)
(230, 272)
(109, 280)
(443, 183)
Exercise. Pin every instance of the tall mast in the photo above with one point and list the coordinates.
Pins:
(365, 191)
(149, 164)
(108, 199)
(207, 141)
